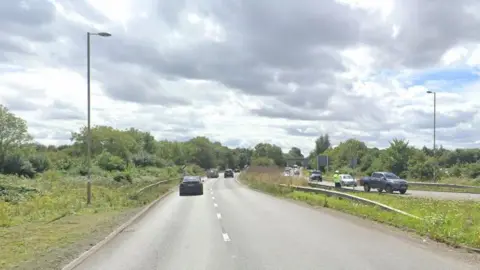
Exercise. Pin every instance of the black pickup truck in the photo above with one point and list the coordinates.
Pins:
(384, 181)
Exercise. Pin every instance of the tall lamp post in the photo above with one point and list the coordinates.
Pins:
(89, 133)
(434, 132)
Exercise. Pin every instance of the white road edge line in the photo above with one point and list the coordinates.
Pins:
(226, 238)
(219, 216)
(215, 205)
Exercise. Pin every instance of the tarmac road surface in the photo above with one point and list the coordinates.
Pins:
(232, 227)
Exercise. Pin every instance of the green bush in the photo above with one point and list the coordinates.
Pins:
(16, 164)
(144, 159)
(123, 177)
(262, 161)
(40, 162)
(110, 162)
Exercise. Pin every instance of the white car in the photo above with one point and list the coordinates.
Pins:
(347, 180)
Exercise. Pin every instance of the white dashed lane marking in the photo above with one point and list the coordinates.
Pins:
(215, 205)
(226, 238)
(213, 198)
(219, 216)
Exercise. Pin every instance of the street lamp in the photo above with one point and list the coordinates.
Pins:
(89, 133)
(434, 131)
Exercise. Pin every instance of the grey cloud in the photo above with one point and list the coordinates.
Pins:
(424, 120)
(267, 46)
(60, 110)
(27, 18)
(302, 132)
(17, 103)
(429, 29)
(84, 8)
(138, 87)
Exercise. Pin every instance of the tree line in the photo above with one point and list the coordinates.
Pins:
(399, 158)
(112, 150)
(117, 150)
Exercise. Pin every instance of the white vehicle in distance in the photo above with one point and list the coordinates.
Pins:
(347, 180)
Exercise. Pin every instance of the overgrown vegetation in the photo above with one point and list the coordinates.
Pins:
(43, 188)
(453, 222)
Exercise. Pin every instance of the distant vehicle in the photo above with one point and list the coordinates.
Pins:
(347, 180)
(296, 172)
(237, 170)
(228, 173)
(191, 185)
(385, 181)
(286, 173)
(212, 173)
(316, 176)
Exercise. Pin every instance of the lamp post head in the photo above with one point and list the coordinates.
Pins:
(104, 34)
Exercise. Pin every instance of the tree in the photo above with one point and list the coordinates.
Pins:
(295, 152)
(395, 158)
(13, 133)
(322, 143)
(270, 151)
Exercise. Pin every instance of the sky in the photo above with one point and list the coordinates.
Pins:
(245, 72)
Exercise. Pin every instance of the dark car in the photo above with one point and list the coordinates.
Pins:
(228, 173)
(316, 176)
(192, 185)
(385, 181)
(237, 170)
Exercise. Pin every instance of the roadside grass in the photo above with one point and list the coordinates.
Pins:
(456, 223)
(50, 212)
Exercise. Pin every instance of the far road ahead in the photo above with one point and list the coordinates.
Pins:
(232, 227)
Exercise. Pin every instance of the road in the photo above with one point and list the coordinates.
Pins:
(428, 194)
(233, 227)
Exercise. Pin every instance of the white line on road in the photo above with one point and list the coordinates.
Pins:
(219, 216)
(213, 198)
(226, 238)
(215, 205)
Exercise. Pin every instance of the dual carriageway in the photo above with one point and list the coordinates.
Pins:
(234, 227)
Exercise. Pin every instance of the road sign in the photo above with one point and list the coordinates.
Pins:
(353, 162)
(322, 161)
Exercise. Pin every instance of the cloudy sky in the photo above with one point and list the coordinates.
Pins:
(247, 71)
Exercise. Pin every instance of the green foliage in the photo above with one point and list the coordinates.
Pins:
(262, 161)
(110, 162)
(269, 151)
(401, 159)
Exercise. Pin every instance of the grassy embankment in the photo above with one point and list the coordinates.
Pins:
(452, 222)
(41, 216)
(450, 180)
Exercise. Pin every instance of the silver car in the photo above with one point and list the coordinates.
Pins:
(347, 180)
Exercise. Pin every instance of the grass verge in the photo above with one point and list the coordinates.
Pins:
(456, 223)
(41, 218)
